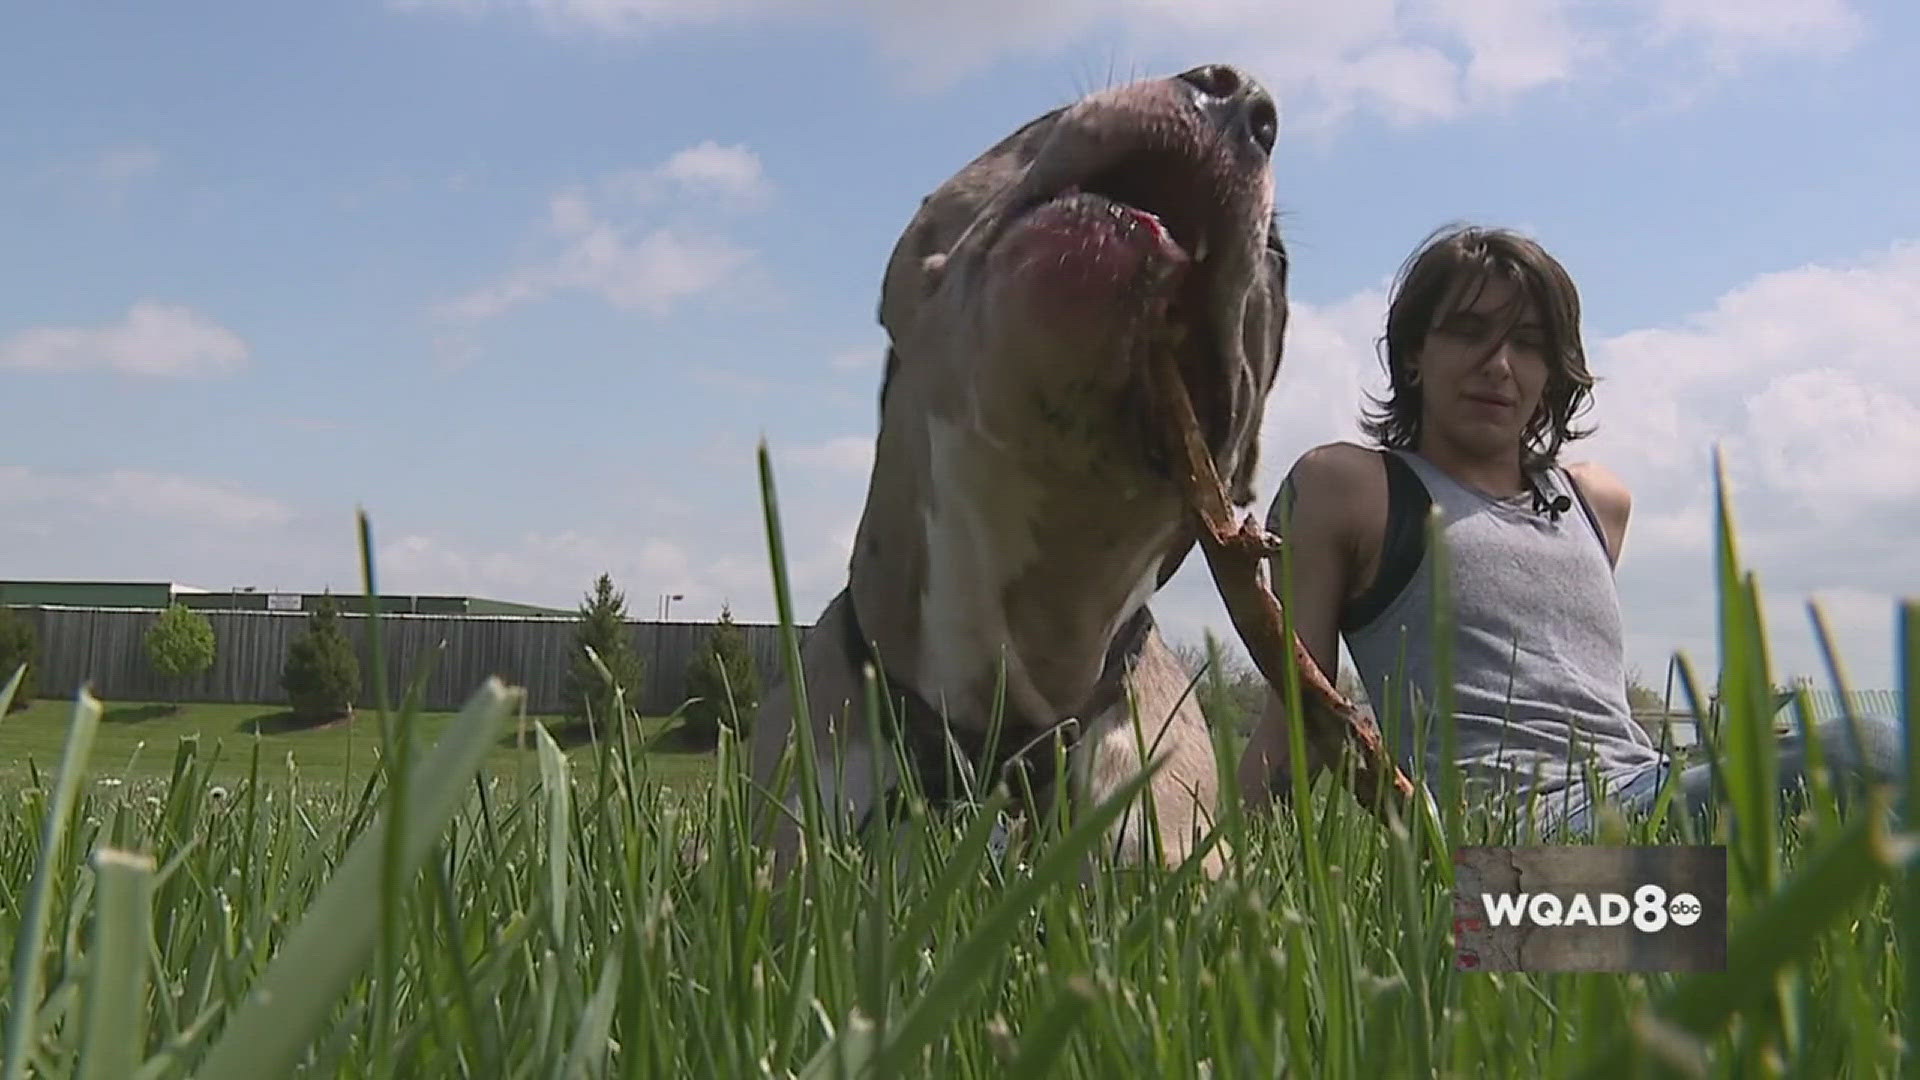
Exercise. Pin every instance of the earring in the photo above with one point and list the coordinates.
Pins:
(1413, 376)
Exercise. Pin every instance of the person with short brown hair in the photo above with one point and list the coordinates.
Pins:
(1486, 375)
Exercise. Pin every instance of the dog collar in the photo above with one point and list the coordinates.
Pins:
(1023, 744)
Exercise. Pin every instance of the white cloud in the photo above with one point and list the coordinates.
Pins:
(704, 537)
(865, 361)
(124, 164)
(1825, 437)
(1328, 365)
(110, 497)
(850, 454)
(139, 525)
(1794, 372)
(154, 339)
(603, 246)
(1407, 59)
(558, 569)
(1730, 30)
(729, 381)
(731, 171)
(550, 566)
(651, 273)
(1516, 45)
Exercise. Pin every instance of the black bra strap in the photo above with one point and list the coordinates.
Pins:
(1587, 509)
(1402, 545)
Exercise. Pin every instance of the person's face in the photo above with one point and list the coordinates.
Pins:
(1482, 370)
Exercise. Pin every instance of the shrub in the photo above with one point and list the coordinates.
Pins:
(19, 644)
(1233, 695)
(723, 683)
(180, 643)
(603, 627)
(322, 673)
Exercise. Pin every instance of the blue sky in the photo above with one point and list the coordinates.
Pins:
(528, 279)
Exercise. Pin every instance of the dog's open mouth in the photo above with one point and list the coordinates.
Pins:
(1170, 189)
(1162, 198)
(1132, 245)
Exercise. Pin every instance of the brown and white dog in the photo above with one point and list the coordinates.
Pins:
(1020, 513)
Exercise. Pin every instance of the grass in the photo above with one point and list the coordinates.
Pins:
(577, 918)
(135, 742)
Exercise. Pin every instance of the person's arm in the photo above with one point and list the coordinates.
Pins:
(1611, 501)
(1313, 514)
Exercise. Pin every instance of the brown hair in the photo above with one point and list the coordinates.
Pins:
(1451, 266)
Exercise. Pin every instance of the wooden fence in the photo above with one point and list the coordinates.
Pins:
(105, 647)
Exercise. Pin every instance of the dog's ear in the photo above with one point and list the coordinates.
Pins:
(1176, 555)
(886, 378)
(1240, 488)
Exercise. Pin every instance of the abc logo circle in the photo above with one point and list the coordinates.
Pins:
(1684, 909)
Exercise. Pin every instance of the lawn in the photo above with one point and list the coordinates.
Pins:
(138, 741)
(579, 916)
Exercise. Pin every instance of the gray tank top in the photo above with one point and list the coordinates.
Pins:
(1539, 684)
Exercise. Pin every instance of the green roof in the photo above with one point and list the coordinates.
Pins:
(158, 594)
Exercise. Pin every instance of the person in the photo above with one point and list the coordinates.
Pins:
(1486, 377)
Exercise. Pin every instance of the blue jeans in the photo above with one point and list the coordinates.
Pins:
(1878, 757)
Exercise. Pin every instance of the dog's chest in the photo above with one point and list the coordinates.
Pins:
(1026, 565)
(981, 531)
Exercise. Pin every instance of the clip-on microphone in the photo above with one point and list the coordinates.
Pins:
(1552, 506)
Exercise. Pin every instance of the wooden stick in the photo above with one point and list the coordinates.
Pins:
(1237, 554)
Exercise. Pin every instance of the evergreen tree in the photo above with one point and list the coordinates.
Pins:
(19, 644)
(602, 627)
(322, 673)
(180, 643)
(723, 683)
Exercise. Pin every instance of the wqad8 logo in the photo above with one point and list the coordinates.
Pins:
(1650, 909)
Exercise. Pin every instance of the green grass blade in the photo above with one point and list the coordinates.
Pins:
(974, 957)
(396, 744)
(116, 988)
(1047, 1037)
(331, 943)
(961, 863)
(554, 778)
(589, 1051)
(23, 1014)
(1785, 929)
(1907, 925)
(848, 1054)
(12, 687)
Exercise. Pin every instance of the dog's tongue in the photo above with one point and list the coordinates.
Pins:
(1084, 257)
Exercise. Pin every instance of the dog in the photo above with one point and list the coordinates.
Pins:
(1020, 513)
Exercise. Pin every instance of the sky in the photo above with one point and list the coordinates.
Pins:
(530, 280)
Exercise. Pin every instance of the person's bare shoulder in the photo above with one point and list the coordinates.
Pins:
(1341, 487)
(1326, 476)
(1611, 501)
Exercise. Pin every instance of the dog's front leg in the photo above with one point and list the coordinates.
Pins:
(851, 775)
(1184, 795)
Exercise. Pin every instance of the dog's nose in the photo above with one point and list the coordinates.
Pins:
(1235, 102)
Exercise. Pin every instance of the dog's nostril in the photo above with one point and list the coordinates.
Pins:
(1213, 80)
(1264, 121)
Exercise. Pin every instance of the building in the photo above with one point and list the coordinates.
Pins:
(160, 594)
